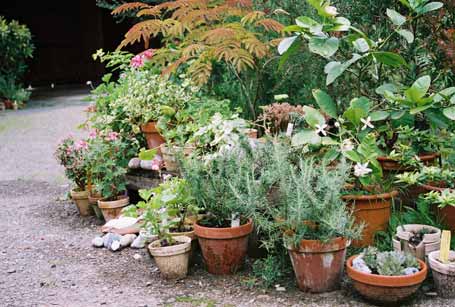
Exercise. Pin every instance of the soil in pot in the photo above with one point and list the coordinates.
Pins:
(172, 260)
(223, 249)
(111, 209)
(152, 136)
(372, 210)
(81, 200)
(443, 274)
(386, 290)
(318, 266)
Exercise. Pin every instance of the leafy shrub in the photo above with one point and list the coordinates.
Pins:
(72, 155)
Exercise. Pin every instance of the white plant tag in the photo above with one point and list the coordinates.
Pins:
(289, 130)
(235, 220)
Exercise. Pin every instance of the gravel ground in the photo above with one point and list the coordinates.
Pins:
(47, 258)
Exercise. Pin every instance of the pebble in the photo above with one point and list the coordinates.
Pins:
(134, 163)
(431, 294)
(148, 284)
(139, 242)
(109, 238)
(98, 242)
(10, 271)
(115, 246)
(137, 256)
(147, 164)
(127, 239)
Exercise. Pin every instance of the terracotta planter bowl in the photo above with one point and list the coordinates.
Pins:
(223, 249)
(81, 200)
(111, 209)
(152, 136)
(389, 164)
(443, 274)
(318, 266)
(386, 289)
(374, 211)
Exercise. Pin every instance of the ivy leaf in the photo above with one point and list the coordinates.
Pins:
(313, 117)
(408, 36)
(449, 113)
(336, 69)
(361, 45)
(325, 102)
(305, 137)
(285, 44)
(323, 46)
(396, 18)
(379, 115)
(432, 6)
(389, 58)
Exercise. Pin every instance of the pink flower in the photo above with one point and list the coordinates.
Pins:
(92, 134)
(112, 136)
(81, 144)
(137, 61)
(69, 151)
(148, 53)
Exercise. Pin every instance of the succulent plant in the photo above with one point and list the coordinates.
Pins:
(389, 263)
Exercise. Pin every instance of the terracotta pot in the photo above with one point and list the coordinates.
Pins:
(152, 136)
(443, 274)
(389, 164)
(93, 201)
(252, 133)
(170, 156)
(446, 214)
(9, 104)
(430, 242)
(318, 266)
(374, 211)
(81, 200)
(386, 289)
(194, 243)
(172, 260)
(223, 249)
(111, 209)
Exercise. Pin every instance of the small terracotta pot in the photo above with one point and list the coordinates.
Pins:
(252, 133)
(374, 211)
(93, 201)
(9, 104)
(81, 200)
(170, 156)
(172, 260)
(223, 249)
(111, 209)
(430, 242)
(389, 164)
(386, 289)
(152, 136)
(318, 266)
(443, 274)
(446, 214)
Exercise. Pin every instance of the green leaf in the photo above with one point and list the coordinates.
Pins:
(437, 119)
(335, 69)
(325, 102)
(305, 137)
(330, 156)
(361, 102)
(389, 58)
(430, 7)
(354, 115)
(342, 24)
(352, 155)
(379, 115)
(420, 109)
(313, 117)
(445, 94)
(396, 17)
(449, 113)
(148, 154)
(306, 22)
(418, 89)
(325, 47)
(286, 43)
(361, 45)
(408, 36)
(392, 88)
(291, 51)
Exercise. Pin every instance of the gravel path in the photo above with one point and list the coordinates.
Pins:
(46, 258)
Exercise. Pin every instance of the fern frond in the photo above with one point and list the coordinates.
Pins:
(128, 7)
(151, 11)
(172, 68)
(255, 47)
(142, 30)
(192, 50)
(240, 3)
(252, 17)
(270, 25)
(242, 60)
(200, 71)
(218, 35)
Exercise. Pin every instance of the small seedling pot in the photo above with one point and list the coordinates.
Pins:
(172, 260)
(81, 200)
(443, 274)
(430, 242)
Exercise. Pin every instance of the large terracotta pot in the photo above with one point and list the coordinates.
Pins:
(386, 289)
(81, 200)
(446, 214)
(223, 249)
(443, 274)
(319, 266)
(172, 260)
(389, 164)
(374, 211)
(152, 136)
(111, 209)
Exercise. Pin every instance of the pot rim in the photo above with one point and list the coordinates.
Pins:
(423, 156)
(384, 196)
(122, 201)
(429, 187)
(225, 232)
(435, 265)
(427, 238)
(387, 281)
(173, 250)
(317, 246)
(79, 194)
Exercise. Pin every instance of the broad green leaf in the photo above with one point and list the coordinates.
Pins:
(330, 156)
(449, 113)
(398, 114)
(352, 155)
(148, 154)
(293, 49)
(416, 110)
(354, 115)
(389, 58)
(361, 102)
(328, 141)
(286, 43)
(445, 94)
(305, 137)
(361, 45)
(325, 47)
(392, 88)
(396, 17)
(341, 24)
(408, 36)
(306, 22)
(418, 89)
(313, 117)
(325, 102)
(292, 28)
(431, 7)
(437, 119)
(335, 69)
(379, 115)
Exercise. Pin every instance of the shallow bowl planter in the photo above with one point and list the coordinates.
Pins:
(111, 209)
(172, 260)
(430, 242)
(443, 274)
(152, 136)
(319, 266)
(81, 200)
(386, 289)
(223, 249)
(390, 164)
(373, 210)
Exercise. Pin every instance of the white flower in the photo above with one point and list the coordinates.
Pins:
(320, 129)
(281, 97)
(361, 170)
(366, 123)
(347, 145)
(337, 124)
(89, 82)
(331, 10)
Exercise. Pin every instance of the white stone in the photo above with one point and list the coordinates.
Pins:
(137, 256)
(98, 242)
(115, 246)
(127, 239)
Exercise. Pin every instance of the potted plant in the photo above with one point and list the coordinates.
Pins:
(443, 273)
(109, 156)
(225, 188)
(318, 225)
(386, 277)
(276, 117)
(418, 240)
(72, 155)
(163, 210)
